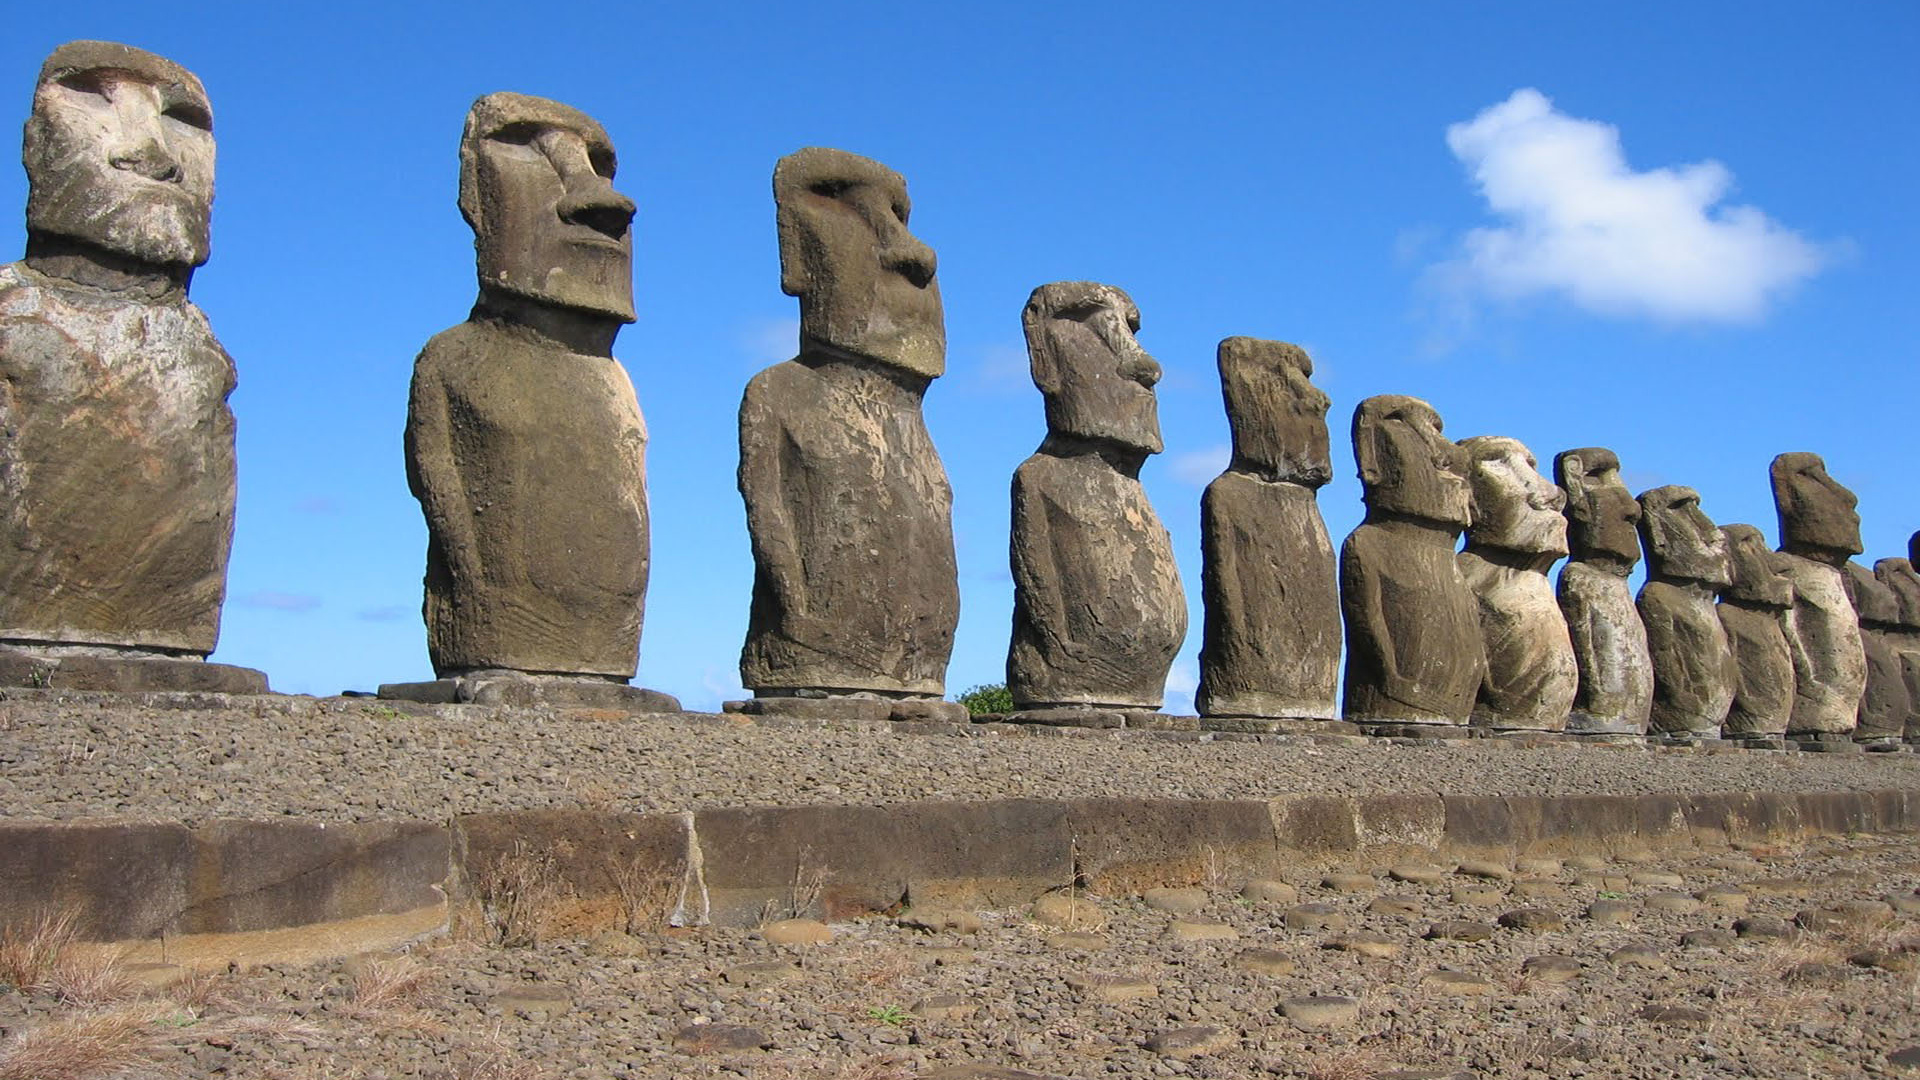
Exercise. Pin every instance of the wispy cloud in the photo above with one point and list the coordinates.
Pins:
(278, 601)
(996, 369)
(1182, 680)
(1197, 468)
(1578, 222)
(389, 613)
(770, 341)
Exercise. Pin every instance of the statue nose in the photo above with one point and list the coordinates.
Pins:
(599, 208)
(147, 158)
(1141, 368)
(904, 254)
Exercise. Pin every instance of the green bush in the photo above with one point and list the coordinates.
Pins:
(990, 698)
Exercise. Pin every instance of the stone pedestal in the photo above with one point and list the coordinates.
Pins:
(869, 708)
(521, 690)
(129, 673)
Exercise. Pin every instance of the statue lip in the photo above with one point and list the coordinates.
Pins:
(588, 236)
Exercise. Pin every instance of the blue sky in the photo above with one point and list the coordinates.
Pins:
(1372, 181)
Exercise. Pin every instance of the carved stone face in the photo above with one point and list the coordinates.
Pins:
(1898, 575)
(1602, 516)
(1872, 600)
(1279, 418)
(119, 154)
(1682, 543)
(866, 285)
(536, 184)
(1407, 466)
(1514, 507)
(1758, 576)
(1817, 516)
(1096, 378)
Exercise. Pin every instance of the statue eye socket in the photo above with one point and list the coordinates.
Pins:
(601, 158)
(517, 134)
(189, 113)
(88, 82)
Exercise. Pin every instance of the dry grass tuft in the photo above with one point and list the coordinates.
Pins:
(28, 951)
(126, 1042)
(1345, 1063)
(395, 983)
(648, 894)
(520, 893)
(89, 979)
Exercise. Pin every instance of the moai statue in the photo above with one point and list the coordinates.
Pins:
(524, 441)
(116, 442)
(1098, 611)
(1818, 531)
(1615, 696)
(1753, 613)
(1413, 636)
(1900, 576)
(1517, 533)
(1886, 703)
(855, 590)
(1687, 566)
(1271, 646)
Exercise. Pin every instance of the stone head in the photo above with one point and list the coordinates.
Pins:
(1681, 541)
(119, 154)
(1097, 380)
(1899, 576)
(1602, 516)
(1913, 549)
(865, 284)
(1758, 576)
(1514, 508)
(1278, 417)
(536, 184)
(1872, 600)
(1817, 516)
(1407, 466)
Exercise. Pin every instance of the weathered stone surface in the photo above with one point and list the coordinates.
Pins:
(1098, 611)
(1271, 643)
(1819, 529)
(126, 673)
(1615, 692)
(1898, 575)
(1413, 638)
(848, 507)
(116, 442)
(524, 440)
(1885, 705)
(1517, 533)
(1687, 566)
(526, 691)
(1753, 613)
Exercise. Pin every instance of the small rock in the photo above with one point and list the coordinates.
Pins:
(1480, 868)
(619, 944)
(761, 974)
(1407, 907)
(1269, 891)
(1112, 989)
(1904, 903)
(1708, 939)
(1478, 896)
(945, 1007)
(1192, 1042)
(1635, 858)
(1780, 887)
(1068, 912)
(1586, 862)
(796, 932)
(719, 1039)
(1460, 983)
(1367, 943)
(1765, 927)
(947, 955)
(1537, 867)
(1459, 930)
(1200, 930)
(1848, 915)
(1077, 940)
(1815, 972)
(1672, 903)
(1883, 960)
(1533, 920)
(1176, 901)
(1536, 889)
(1674, 1014)
(1637, 956)
(1552, 969)
(1315, 917)
(1654, 879)
(1723, 897)
(533, 1002)
(1907, 1057)
(1265, 962)
(1610, 912)
(1320, 1011)
(1347, 882)
(1417, 873)
(935, 920)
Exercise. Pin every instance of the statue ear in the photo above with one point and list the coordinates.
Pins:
(1366, 451)
(1569, 469)
(796, 279)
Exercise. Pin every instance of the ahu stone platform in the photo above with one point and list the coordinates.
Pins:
(206, 829)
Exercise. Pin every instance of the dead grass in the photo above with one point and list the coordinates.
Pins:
(648, 895)
(28, 951)
(123, 1042)
(1343, 1063)
(40, 957)
(520, 894)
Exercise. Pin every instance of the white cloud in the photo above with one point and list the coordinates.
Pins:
(770, 341)
(1579, 222)
(278, 601)
(1199, 467)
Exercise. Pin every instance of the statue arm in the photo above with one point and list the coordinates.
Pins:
(433, 473)
(767, 489)
(1037, 578)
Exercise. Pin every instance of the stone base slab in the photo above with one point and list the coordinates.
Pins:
(1278, 725)
(871, 709)
(1825, 742)
(1393, 729)
(1092, 717)
(526, 692)
(1759, 742)
(127, 675)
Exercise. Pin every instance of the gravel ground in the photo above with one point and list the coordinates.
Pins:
(66, 756)
(1661, 972)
